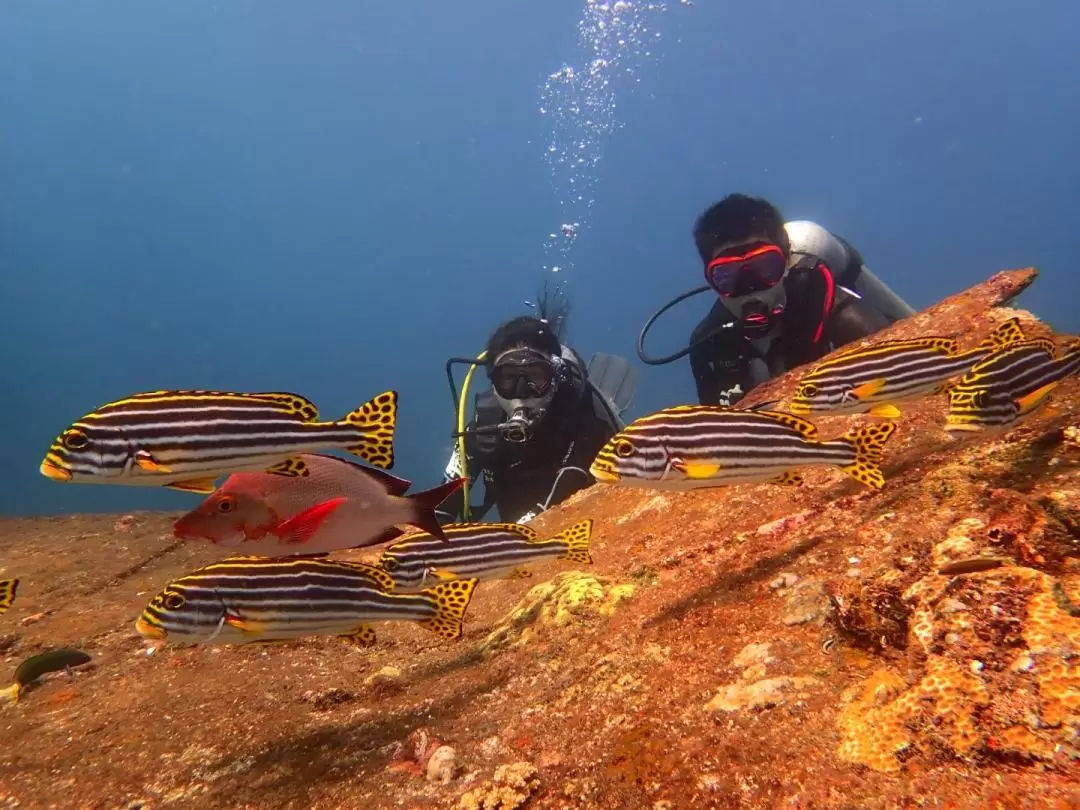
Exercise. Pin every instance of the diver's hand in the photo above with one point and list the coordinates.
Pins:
(730, 396)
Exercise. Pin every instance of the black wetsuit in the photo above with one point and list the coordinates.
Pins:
(518, 478)
(818, 317)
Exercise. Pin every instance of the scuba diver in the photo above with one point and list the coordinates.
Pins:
(788, 294)
(534, 434)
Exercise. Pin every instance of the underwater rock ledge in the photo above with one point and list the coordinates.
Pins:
(823, 646)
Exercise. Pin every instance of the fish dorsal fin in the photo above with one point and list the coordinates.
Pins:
(528, 534)
(391, 483)
(947, 345)
(1000, 355)
(377, 575)
(1006, 333)
(807, 428)
(291, 403)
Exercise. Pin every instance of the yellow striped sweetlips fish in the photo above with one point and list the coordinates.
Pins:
(873, 378)
(481, 551)
(185, 440)
(241, 600)
(1010, 384)
(697, 446)
(8, 589)
(333, 504)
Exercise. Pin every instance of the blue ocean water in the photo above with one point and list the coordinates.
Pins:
(333, 197)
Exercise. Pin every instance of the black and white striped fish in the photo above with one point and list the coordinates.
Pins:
(480, 550)
(240, 600)
(695, 446)
(1010, 384)
(873, 378)
(186, 439)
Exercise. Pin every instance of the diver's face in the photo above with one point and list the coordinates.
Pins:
(748, 278)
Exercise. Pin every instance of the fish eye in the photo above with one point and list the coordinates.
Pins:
(75, 440)
(624, 448)
(226, 504)
(389, 564)
(174, 601)
(809, 391)
(981, 398)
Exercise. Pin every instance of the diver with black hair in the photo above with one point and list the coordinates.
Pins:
(534, 434)
(788, 294)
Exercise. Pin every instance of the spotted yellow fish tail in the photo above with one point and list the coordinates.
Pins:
(577, 539)
(7, 593)
(376, 420)
(451, 599)
(869, 446)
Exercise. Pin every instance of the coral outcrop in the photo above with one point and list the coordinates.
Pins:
(822, 646)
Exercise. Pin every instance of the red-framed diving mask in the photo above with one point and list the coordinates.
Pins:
(745, 271)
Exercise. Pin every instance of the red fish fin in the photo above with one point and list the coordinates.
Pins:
(302, 526)
(423, 506)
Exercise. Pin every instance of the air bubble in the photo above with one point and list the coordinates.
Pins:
(581, 105)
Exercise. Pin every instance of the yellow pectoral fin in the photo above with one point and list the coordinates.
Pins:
(885, 411)
(698, 470)
(439, 573)
(867, 389)
(1027, 404)
(253, 628)
(200, 486)
(146, 462)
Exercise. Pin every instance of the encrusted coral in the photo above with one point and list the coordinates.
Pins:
(875, 730)
(1002, 673)
(510, 788)
(556, 603)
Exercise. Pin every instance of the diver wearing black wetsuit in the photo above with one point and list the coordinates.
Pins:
(788, 295)
(535, 433)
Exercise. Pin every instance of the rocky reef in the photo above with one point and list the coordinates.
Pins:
(767, 646)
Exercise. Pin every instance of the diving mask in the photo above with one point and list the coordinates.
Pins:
(748, 281)
(522, 374)
(745, 271)
(524, 382)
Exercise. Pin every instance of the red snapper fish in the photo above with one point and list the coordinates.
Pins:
(326, 504)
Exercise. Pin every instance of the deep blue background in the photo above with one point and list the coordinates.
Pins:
(331, 197)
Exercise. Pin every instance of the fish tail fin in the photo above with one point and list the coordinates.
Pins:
(1006, 333)
(422, 506)
(375, 420)
(577, 539)
(302, 526)
(451, 598)
(869, 444)
(7, 593)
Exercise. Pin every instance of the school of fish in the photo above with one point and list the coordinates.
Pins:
(287, 504)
